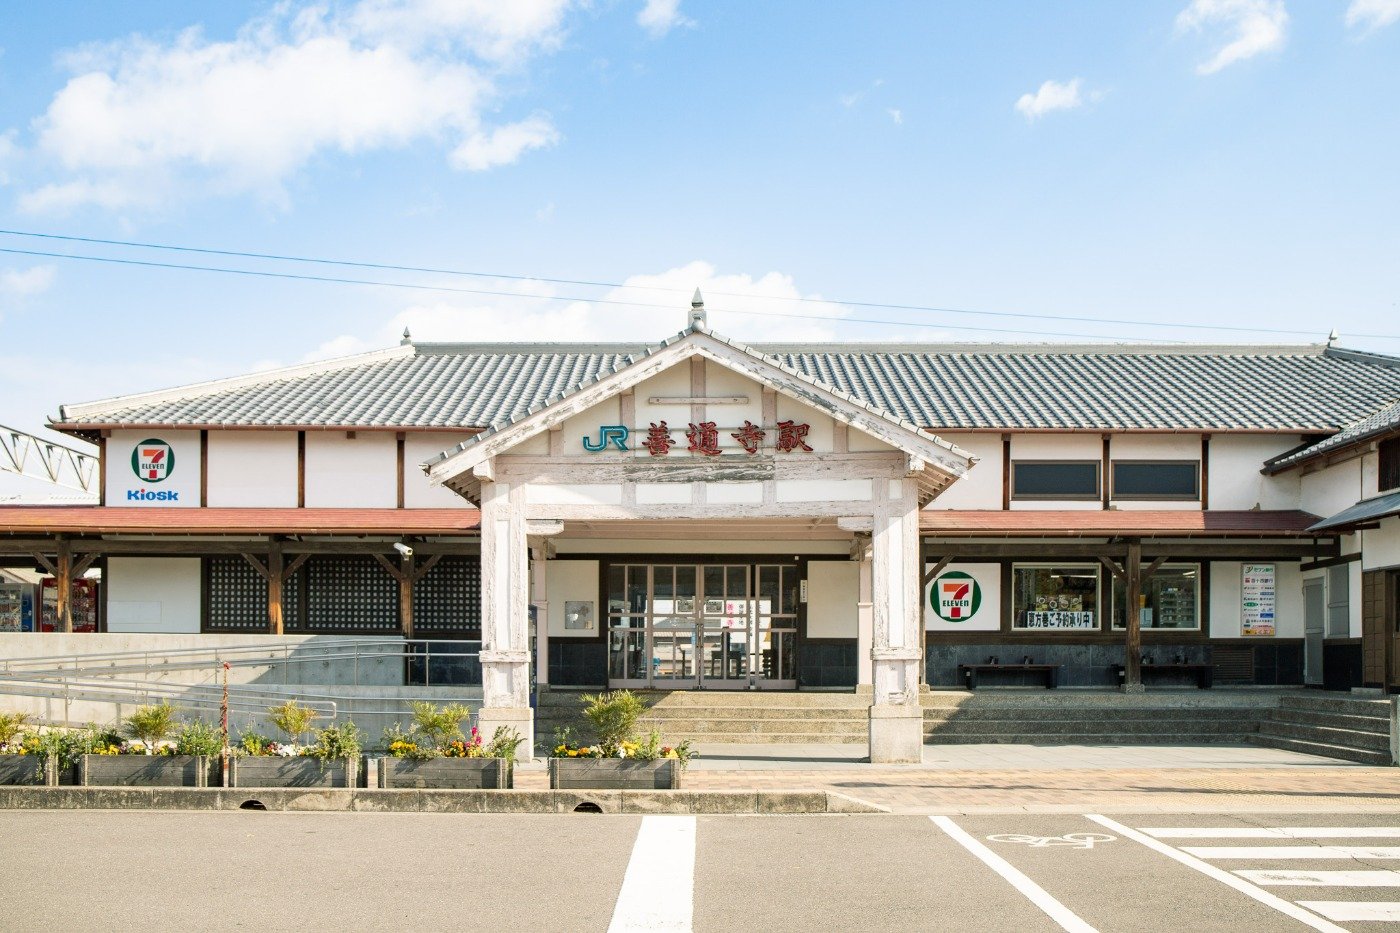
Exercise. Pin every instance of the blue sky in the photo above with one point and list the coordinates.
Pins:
(1184, 161)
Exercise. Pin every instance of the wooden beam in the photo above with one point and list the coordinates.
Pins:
(167, 547)
(424, 567)
(203, 469)
(1132, 666)
(1205, 472)
(399, 460)
(301, 469)
(931, 575)
(44, 563)
(1105, 472)
(1113, 567)
(256, 563)
(1153, 567)
(81, 565)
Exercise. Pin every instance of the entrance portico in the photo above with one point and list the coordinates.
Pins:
(763, 447)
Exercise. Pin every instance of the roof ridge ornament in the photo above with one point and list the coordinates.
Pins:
(697, 312)
(407, 338)
(1333, 337)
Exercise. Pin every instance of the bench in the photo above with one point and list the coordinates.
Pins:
(1204, 673)
(970, 672)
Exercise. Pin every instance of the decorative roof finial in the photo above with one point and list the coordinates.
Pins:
(1333, 337)
(407, 338)
(697, 311)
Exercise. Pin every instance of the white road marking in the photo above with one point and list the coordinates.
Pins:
(1355, 910)
(1278, 832)
(1037, 895)
(1069, 840)
(1224, 877)
(658, 890)
(1300, 852)
(1325, 879)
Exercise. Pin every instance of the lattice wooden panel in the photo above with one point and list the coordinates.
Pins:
(237, 600)
(349, 595)
(448, 599)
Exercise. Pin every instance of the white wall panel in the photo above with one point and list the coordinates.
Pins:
(351, 472)
(986, 618)
(823, 490)
(663, 493)
(1329, 491)
(1226, 613)
(573, 580)
(178, 487)
(253, 469)
(1235, 480)
(418, 493)
(981, 487)
(153, 594)
(832, 591)
(574, 494)
(734, 493)
(1380, 547)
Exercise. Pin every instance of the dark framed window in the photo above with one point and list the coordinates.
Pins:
(1390, 464)
(1055, 479)
(1055, 597)
(1171, 599)
(1156, 479)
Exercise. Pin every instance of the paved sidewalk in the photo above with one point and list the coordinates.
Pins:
(1012, 778)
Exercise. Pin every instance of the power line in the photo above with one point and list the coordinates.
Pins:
(263, 273)
(925, 309)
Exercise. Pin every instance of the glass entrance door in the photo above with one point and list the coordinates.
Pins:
(707, 626)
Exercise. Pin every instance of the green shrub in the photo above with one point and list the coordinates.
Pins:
(440, 724)
(292, 719)
(504, 744)
(198, 737)
(614, 716)
(336, 742)
(151, 724)
(11, 725)
(253, 743)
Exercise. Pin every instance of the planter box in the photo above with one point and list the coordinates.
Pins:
(292, 772)
(454, 773)
(144, 770)
(614, 774)
(28, 769)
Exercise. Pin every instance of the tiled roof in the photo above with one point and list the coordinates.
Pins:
(81, 519)
(1384, 420)
(1364, 512)
(1049, 523)
(944, 387)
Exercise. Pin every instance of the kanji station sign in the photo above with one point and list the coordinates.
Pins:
(706, 439)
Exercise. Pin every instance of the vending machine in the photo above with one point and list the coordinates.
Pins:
(82, 604)
(13, 603)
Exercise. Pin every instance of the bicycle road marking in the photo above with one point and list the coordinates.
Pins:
(1068, 840)
(1037, 895)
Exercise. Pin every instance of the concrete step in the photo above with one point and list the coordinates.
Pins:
(1377, 724)
(777, 738)
(1095, 738)
(1321, 702)
(1117, 725)
(758, 712)
(675, 726)
(1080, 713)
(714, 698)
(1321, 748)
(1326, 735)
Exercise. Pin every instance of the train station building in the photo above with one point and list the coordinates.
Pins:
(696, 513)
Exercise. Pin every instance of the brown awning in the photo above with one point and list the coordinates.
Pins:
(1115, 523)
(92, 519)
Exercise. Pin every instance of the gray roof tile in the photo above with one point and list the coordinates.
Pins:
(1384, 420)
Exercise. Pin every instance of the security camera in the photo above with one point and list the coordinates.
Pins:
(403, 549)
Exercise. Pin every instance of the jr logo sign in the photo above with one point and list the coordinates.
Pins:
(955, 596)
(153, 460)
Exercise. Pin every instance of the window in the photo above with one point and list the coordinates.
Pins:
(1057, 479)
(1171, 599)
(1390, 464)
(1156, 479)
(1055, 597)
(1339, 601)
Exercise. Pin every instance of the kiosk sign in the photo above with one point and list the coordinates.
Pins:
(955, 596)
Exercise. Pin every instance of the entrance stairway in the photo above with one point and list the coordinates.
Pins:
(1336, 726)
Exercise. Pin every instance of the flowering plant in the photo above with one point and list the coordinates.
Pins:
(614, 717)
(419, 745)
(260, 746)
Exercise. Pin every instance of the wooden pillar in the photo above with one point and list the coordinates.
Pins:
(406, 580)
(274, 587)
(865, 615)
(63, 585)
(1132, 583)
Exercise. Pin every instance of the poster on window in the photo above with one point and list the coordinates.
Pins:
(1059, 619)
(963, 598)
(1258, 599)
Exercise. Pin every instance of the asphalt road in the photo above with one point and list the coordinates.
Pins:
(85, 870)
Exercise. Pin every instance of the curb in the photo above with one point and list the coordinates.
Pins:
(430, 801)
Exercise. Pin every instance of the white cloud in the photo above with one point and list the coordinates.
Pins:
(142, 120)
(1373, 14)
(1254, 27)
(1051, 96)
(22, 283)
(895, 115)
(659, 17)
(665, 307)
(504, 144)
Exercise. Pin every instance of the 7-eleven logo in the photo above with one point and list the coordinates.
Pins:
(153, 460)
(955, 596)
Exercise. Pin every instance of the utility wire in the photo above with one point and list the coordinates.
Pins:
(262, 273)
(928, 309)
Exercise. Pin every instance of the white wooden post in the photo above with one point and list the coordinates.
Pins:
(505, 630)
(896, 716)
(539, 587)
(865, 620)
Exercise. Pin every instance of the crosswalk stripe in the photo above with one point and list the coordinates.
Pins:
(1278, 832)
(1327, 879)
(1224, 877)
(1355, 910)
(1298, 852)
(1066, 918)
(658, 890)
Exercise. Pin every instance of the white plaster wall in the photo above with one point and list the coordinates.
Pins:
(1370, 474)
(1329, 491)
(574, 494)
(586, 424)
(823, 490)
(572, 579)
(1380, 547)
(735, 545)
(673, 383)
(734, 493)
(1225, 610)
(253, 469)
(988, 615)
(1085, 446)
(182, 481)
(820, 436)
(721, 381)
(344, 472)
(1235, 480)
(664, 493)
(981, 487)
(1354, 606)
(153, 594)
(418, 493)
(832, 591)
